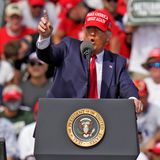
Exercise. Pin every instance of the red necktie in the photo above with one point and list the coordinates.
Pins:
(93, 93)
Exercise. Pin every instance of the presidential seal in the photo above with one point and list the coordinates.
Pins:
(85, 127)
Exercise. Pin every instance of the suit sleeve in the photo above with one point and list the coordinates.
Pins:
(53, 54)
(126, 86)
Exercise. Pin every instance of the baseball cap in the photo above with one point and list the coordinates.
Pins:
(36, 2)
(12, 92)
(33, 57)
(68, 4)
(142, 87)
(156, 148)
(13, 9)
(99, 19)
(154, 56)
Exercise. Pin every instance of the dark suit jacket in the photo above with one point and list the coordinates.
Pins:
(70, 80)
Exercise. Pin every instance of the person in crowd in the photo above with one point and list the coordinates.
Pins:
(12, 108)
(109, 81)
(125, 40)
(12, 55)
(144, 40)
(14, 29)
(37, 84)
(6, 72)
(26, 140)
(112, 6)
(32, 11)
(72, 15)
(7, 132)
(148, 121)
(155, 152)
(152, 65)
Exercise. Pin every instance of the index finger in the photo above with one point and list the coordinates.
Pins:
(45, 15)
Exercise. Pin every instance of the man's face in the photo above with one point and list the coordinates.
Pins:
(78, 13)
(110, 5)
(97, 37)
(37, 69)
(14, 22)
(36, 11)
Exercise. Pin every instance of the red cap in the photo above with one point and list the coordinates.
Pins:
(155, 53)
(36, 2)
(142, 87)
(12, 92)
(155, 149)
(68, 4)
(99, 19)
(153, 57)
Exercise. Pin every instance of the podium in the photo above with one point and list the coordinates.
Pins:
(120, 141)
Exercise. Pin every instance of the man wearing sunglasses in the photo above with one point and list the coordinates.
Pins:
(37, 84)
(152, 65)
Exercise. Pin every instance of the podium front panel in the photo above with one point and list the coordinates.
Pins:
(119, 141)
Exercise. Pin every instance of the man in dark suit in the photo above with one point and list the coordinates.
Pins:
(112, 79)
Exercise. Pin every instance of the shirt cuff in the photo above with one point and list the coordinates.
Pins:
(132, 98)
(42, 43)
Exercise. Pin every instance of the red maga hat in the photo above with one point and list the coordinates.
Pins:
(36, 2)
(99, 19)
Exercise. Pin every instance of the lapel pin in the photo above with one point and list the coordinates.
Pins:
(110, 66)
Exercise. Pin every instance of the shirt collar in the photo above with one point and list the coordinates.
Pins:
(100, 56)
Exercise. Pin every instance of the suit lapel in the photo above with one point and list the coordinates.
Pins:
(84, 64)
(107, 72)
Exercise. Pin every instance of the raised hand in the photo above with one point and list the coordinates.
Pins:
(45, 27)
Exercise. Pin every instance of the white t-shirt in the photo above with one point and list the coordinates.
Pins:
(145, 38)
(26, 141)
(31, 22)
(154, 91)
(6, 72)
(142, 156)
(148, 122)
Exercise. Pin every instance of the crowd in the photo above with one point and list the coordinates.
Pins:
(24, 78)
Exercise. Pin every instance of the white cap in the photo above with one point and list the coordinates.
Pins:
(33, 56)
(13, 9)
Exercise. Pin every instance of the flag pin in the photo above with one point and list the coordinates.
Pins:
(110, 66)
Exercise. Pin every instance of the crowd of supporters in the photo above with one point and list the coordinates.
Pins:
(24, 78)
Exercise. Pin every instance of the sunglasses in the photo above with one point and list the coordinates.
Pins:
(154, 65)
(33, 63)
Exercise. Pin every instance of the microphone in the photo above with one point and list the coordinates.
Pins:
(86, 49)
